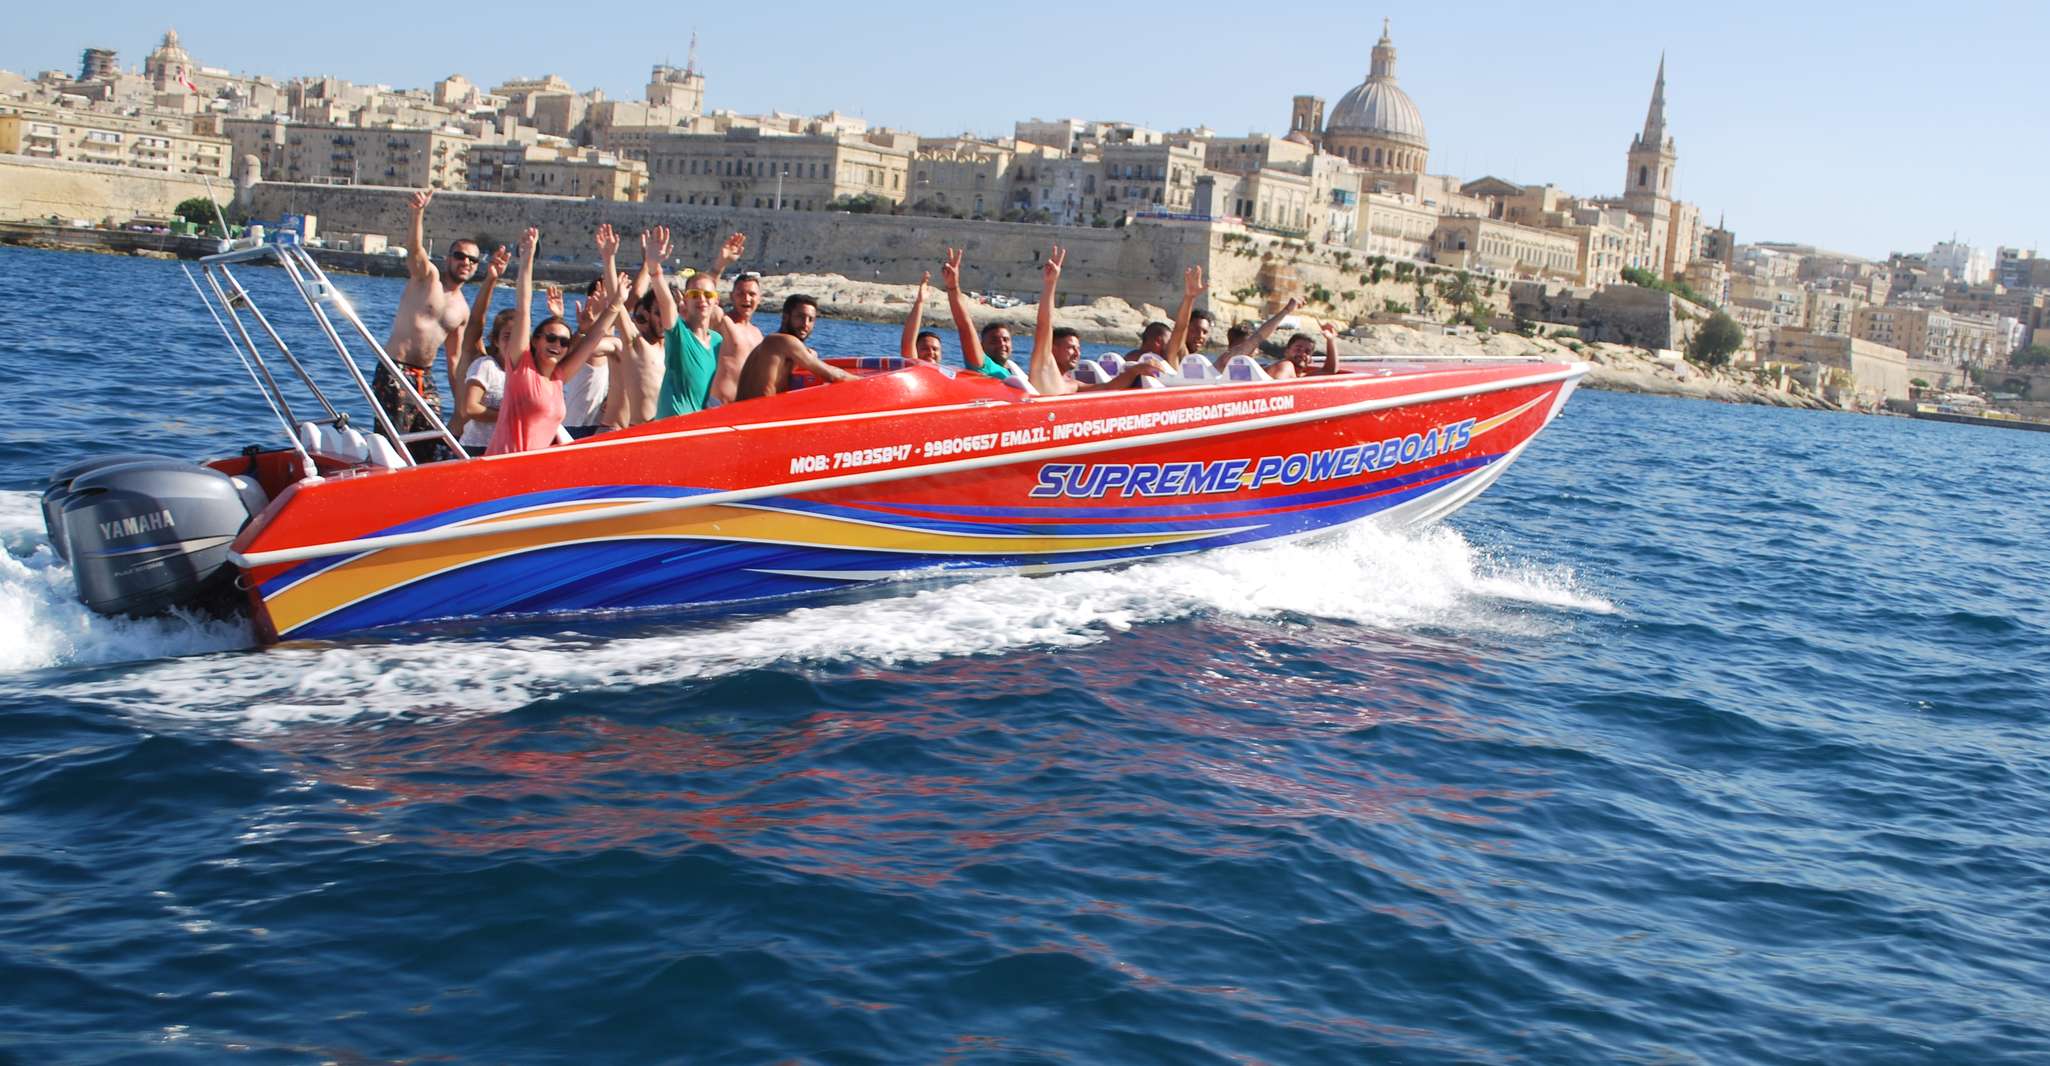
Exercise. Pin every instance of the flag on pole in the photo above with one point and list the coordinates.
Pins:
(186, 81)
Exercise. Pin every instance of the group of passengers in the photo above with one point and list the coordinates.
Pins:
(643, 347)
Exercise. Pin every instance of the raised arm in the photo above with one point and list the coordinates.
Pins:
(654, 249)
(1046, 372)
(907, 346)
(1254, 339)
(1330, 348)
(419, 265)
(729, 254)
(608, 248)
(950, 277)
(1192, 287)
(523, 299)
(600, 313)
(480, 318)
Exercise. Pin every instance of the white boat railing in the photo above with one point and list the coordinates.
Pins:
(226, 298)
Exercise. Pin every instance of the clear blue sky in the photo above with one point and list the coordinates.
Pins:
(1863, 127)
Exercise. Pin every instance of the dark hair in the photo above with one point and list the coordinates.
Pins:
(647, 300)
(592, 288)
(1201, 316)
(549, 321)
(498, 322)
(992, 327)
(924, 333)
(1238, 332)
(1062, 333)
(1154, 329)
(797, 300)
(469, 241)
(1301, 337)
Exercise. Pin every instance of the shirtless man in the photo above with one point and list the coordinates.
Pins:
(1295, 358)
(1056, 351)
(638, 381)
(738, 327)
(919, 345)
(769, 365)
(431, 312)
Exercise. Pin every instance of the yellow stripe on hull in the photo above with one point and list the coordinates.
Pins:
(375, 572)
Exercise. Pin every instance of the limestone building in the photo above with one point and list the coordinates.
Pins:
(163, 143)
(751, 167)
(1375, 125)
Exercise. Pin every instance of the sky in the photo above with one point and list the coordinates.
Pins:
(1864, 128)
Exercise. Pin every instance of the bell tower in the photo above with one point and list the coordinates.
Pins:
(1652, 158)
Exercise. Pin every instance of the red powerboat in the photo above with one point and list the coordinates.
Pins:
(907, 472)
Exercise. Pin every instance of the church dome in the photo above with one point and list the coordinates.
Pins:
(1378, 107)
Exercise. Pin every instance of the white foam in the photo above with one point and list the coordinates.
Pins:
(42, 623)
(1402, 581)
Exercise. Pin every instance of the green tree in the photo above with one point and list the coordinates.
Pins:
(2033, 355)
(197, 210)
(1716, 340)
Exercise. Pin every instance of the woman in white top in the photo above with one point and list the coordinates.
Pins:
(484, 385)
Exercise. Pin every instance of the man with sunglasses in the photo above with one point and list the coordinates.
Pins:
(431, 311)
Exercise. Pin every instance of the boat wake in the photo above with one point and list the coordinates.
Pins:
(1433, 580)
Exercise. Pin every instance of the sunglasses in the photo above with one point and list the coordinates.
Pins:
(465, 257)
(555, 338)
(700, 294)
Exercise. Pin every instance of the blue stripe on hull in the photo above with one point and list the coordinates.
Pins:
(681, 573)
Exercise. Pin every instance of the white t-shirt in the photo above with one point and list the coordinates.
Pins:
(583, 397)
(485, 370)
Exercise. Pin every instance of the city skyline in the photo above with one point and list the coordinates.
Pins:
(1880, 140)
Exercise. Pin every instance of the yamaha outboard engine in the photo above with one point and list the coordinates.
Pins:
(59, 490)
(150, 535)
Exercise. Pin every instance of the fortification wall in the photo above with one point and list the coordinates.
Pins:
(34, 189)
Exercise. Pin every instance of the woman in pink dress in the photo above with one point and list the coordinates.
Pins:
(536, 367)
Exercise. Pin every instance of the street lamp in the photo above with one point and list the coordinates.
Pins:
(779, 185)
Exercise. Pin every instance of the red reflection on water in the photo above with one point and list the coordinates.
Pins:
(912, 795)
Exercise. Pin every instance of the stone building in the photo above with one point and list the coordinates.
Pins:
(1867, 373)
(1150, 177)
(162, 143)
(353, 155)
(1375, 125)
(1469, 243)
(960, 176)
(1395, 225)
(1936, 336)
(746, 167)
(557, 170)
(1068, 188)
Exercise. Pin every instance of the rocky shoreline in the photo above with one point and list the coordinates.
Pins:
(1111, 321)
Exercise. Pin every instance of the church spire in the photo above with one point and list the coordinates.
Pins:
(1655, 116)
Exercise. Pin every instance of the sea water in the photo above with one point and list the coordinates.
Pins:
(1708, 734)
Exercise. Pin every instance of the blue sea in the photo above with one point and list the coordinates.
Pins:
(1711, 734)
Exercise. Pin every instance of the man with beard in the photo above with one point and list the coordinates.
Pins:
(431, 310)
(770, 364)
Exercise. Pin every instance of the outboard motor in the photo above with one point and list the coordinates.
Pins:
(59, 490)
(150, 535)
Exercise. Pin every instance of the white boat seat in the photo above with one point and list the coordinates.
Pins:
(382, 454)
(1197, 367)
(1245, 368)
(1149, 382)
(1112, 363)
(1090, 372)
